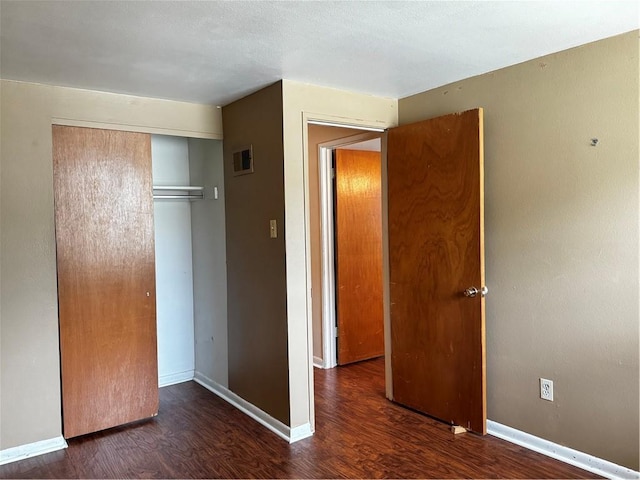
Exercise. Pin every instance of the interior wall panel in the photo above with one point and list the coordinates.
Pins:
(561, 231)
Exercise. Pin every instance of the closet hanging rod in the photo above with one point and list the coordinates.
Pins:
(185, 188)
(180, 197)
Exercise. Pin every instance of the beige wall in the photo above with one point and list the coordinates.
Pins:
(561, 241)
(301, 102)
(30, 371)
(318, 134)
(561, 235)
(257, 294)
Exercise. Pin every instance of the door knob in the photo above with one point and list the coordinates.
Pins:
(473, 291)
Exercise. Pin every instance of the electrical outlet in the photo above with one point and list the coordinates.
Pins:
(546, 389)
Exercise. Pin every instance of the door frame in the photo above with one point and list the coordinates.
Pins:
(327, 233)
(324, 119)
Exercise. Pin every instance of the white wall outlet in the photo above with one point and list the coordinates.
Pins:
(546, 389)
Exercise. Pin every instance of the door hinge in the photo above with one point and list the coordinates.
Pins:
(333, 173)
(335, 331)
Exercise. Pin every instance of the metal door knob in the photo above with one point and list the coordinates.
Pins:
(473, 291)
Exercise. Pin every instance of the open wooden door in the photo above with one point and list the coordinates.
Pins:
(436, 267)
(358, 214)
(106, 277)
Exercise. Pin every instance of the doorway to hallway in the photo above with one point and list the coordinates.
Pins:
(346, 244)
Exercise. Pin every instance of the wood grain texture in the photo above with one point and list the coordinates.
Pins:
(359, 434)
(106, 277)
(435, 253)
(359, 255)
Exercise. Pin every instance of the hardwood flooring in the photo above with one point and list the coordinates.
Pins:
(359, 434)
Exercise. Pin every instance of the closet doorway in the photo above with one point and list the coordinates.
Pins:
(115, 193)
(190, 251)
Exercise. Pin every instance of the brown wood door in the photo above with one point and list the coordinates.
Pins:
(436, 252)
(359, 255)
(106, 277)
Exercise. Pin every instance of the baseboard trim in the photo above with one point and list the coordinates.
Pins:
(568, 455)
(318, 362)
(173, 378)
(260, 416)
(300, 433)
(34, 449)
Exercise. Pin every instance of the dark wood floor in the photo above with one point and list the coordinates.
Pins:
(359, 434)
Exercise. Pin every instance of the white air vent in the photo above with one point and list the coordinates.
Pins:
(243, 161)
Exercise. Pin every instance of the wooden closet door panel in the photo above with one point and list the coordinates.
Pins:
(106, 277)
(358, 215)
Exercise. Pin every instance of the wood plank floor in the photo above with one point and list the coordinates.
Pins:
(359, 434)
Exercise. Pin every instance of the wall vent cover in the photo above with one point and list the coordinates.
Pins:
(243, 161)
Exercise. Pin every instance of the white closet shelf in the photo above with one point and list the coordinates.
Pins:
(194, 192)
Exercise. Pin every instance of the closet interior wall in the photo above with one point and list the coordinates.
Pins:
(190, 261)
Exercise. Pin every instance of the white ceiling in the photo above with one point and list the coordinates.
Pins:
(217, 51)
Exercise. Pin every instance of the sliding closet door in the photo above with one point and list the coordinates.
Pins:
(106, 277)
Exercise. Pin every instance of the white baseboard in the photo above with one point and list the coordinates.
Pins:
(173, 378)
(34, 449)
(301, 432)
(318, 362)
(260, 416)
(559, 452)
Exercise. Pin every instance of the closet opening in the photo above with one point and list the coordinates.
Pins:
(190, 257)
(141, 269)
